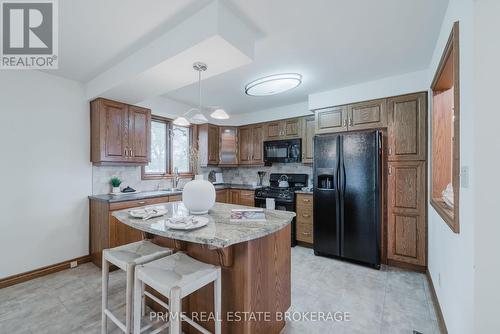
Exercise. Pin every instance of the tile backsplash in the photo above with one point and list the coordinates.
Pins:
(248, 174)
(131, 176)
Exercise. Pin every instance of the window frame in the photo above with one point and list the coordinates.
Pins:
(169, 172)
(451, 216)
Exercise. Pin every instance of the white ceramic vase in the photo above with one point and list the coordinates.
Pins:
(198, 196)
(116, 190)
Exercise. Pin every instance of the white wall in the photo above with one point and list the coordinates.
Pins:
(271, 114)
(385, 87)
(487, 160)
(451, 256)
(45, 169)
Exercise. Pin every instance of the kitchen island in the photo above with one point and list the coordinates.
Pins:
(255, 261)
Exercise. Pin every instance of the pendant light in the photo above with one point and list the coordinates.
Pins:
(219, 114)
(198, 116)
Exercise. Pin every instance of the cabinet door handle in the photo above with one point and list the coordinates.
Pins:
(390, 151)
(141, 202)
(390, 170)
(306, 233)
(132, 153)
(126, 152)
(350, 122)
(305, 200)
(305, 215)
(345, 123)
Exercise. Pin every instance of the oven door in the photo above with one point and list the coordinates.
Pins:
(283, 206)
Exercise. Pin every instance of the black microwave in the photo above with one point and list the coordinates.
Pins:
(283, 151)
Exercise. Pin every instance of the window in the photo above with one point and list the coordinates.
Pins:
(170, 148)
(445, 163)
(180, 148)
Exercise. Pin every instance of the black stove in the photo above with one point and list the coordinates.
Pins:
(279, 194)
(284, 198)
(295, 182)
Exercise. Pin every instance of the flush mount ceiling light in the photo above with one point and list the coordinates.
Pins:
(198, 112)
(219, 114)
(273, 84)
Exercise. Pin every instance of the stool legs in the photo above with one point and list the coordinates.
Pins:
(175, 311)
(217, 302)
(143, 313)
(130, 291)
(105, 279)
(138, 301)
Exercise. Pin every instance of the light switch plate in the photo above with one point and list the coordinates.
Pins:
(464, 176)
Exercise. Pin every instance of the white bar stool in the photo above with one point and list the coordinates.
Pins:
(175, 277)
(126, 257)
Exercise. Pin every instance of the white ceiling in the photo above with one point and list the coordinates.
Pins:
(332, 43)
(96, 34)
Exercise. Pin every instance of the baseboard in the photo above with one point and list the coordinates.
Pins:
(407, 266)
(29, 275)
(437, 307)
(304, 244)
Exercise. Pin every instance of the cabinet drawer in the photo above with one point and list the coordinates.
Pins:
(305, 217)
(141, 202)
(304, 233)
(304, 200)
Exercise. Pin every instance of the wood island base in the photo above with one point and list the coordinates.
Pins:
(256, 284)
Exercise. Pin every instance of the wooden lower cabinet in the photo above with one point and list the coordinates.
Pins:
(247, 197)
(304, 220)
(221, 196)
(406, 223)
(234, 196)
(107, 232)
(241, 197)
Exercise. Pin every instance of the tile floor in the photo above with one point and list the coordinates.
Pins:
(385, 301)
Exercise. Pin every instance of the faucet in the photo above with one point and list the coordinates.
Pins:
(176, 179)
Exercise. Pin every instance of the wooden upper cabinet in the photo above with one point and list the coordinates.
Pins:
(213, 144)
(284, 129)
(245, 155)
(407, 127)
(228, 146)
(308, 139)
(251, 145)
(367, 115)
(273, 130)
(257, 144)
(331, 120)
(407, 212)
(120, 133)
(208, 144)
(139, 133)
(292, 127)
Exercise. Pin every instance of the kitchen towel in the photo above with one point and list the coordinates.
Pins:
(270, 203)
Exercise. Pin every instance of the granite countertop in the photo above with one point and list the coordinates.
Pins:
(310, 192)
(219, 232)
(159, 193)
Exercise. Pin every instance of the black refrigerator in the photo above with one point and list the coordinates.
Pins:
(347, 169)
